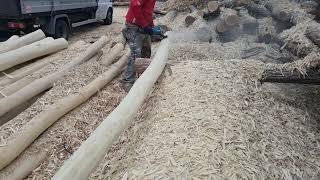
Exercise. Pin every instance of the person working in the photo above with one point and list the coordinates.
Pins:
(137, 31)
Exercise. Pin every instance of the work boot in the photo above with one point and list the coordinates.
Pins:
(126, 86)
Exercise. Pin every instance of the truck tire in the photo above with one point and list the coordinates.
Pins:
(109, 16)
(62, 30)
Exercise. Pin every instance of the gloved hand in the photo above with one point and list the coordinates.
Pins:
(156, 30)
(148, 30)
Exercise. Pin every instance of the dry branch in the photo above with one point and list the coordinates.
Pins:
(23, 138)
(89, 154)
(45, 83)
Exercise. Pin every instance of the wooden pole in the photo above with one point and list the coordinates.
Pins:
(25, 71)
(12, 88)
(24, 168)
(23, 41)
(114, 52)
(35, 127)
(32, 51)
(45, 83)
(11, 39)
(89, 154)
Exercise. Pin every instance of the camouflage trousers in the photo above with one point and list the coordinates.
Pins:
(140, 46)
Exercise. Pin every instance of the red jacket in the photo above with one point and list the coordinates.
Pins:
(140, 12)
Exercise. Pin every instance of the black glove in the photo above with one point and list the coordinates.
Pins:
(148, 30)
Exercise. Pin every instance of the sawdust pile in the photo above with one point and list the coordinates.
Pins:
(211, 120)
(65, 136)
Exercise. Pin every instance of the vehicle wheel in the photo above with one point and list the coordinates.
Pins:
(108, 19)
(62, 30)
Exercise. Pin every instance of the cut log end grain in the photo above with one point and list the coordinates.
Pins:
(221, 27)
(200, 13)
(213, 6)
(189, 20)
(231, 20)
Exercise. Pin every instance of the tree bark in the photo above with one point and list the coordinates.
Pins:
(34, 128)
(87, 157)
(45, 83)
(23, 41)
(32, 51)
(277, 76)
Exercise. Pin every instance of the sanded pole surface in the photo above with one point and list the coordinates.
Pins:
(32, 51)
(42, 84)
(25, 71)
(22, 41)
(24, 137)
(87, 157)
(113, 54)
(12, 38)
(14, 87)
(24, 168)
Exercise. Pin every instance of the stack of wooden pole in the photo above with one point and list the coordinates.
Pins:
(89, 154)
(36, 126)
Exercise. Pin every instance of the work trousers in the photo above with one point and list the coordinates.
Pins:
(140, 46)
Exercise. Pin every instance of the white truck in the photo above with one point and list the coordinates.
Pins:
(54, 17)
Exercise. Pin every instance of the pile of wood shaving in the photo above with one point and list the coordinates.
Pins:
(295, 39)
(211, 120)
(303, 66)
(180, 5)
(63, 138)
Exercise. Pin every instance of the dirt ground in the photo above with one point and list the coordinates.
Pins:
(210, 119)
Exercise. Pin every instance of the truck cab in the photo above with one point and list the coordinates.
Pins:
(56, 18)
